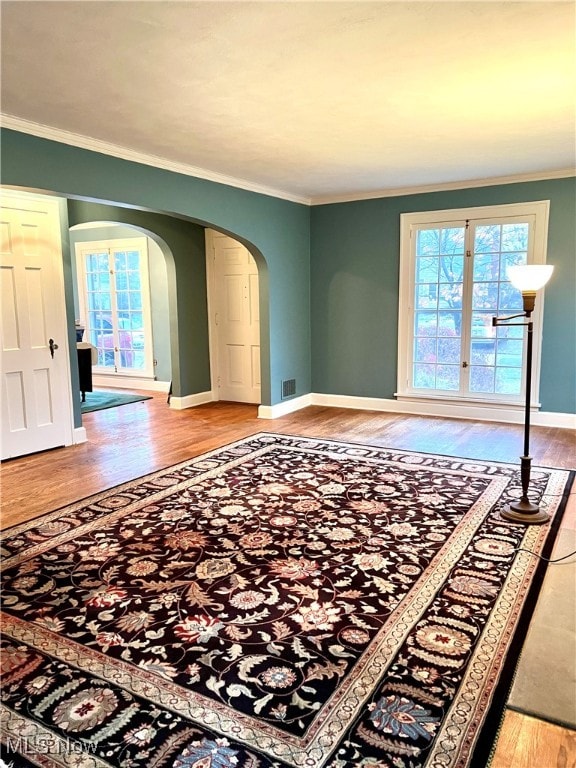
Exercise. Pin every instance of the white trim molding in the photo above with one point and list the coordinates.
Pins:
(467, 411)
(125, 153)
(476, 412)
(282, 409)
(79, 435)
(191, 401)
(118, 381)
(493, 181)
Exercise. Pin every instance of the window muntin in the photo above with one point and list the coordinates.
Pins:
(453, 281)
(116, 304)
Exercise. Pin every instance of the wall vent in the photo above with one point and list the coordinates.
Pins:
(288, 388)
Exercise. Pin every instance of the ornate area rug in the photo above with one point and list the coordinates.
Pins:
(279, 603)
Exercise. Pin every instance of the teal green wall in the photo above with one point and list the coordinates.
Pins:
(277, 232)
(354, 287)
(329, 321)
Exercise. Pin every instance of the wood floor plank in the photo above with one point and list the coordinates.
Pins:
(127, 442)
(526, 742)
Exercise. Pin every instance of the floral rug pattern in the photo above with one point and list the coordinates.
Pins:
(282, 602)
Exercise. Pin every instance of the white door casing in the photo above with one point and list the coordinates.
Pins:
(234, 320)
(35, 386)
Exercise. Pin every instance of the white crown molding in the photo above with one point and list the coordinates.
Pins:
(95, 145)
(443, 187)
(124, 153)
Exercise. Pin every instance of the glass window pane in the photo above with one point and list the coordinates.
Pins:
(133, 261)
(134, 281)
(427, 269)
(451, 269)
(485, 296)
(482, 325)
(510, 260)
(509, 352)
(115, 307)
(508, 381)
(483, 352)
(425, 350)
(481, 379)
(424, 376)
(425, 324)
(121, 281)
(428, 242)
(442, 319)
(486, 267)
(120, 261)
(449, 323)
(487, 238)
(452, 240)
(510, 331)
(448, 377)
(427, 296)
(515, 236)
(450, 295)
(97, 262)
(510, 298)
(449, 351)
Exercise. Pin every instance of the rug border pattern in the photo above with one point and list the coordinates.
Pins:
(453, 744)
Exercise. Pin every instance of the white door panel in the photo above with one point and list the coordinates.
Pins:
(235, 306)
(36, 397)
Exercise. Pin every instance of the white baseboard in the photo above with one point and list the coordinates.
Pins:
(130, 382)
(448, 410)
(190, 401)
(79, 436)
(429, 408)
(281, 409)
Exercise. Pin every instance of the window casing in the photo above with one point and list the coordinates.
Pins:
(452, 282)
(114, 293)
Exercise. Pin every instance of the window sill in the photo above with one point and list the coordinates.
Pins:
(456, 400)
(119, 374)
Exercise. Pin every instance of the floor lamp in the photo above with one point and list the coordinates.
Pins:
(528, 279)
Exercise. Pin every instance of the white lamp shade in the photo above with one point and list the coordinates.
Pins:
(529, 277)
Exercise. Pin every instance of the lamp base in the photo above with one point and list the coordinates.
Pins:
(524, 511)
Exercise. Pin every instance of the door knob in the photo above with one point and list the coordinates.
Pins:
(52, 346)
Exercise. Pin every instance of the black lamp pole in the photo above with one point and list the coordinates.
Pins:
(524, 511)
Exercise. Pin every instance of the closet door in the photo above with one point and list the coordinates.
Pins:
(36, 392)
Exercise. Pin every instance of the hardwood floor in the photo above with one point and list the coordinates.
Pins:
(132, 440)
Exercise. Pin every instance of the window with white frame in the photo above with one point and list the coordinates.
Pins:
(453, 281)
(114, 292)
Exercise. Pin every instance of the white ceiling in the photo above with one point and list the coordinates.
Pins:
(310, 100)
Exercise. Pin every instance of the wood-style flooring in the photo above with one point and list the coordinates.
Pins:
(132, 440)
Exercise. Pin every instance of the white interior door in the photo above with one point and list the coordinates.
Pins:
(236, 321)
(36, 394)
